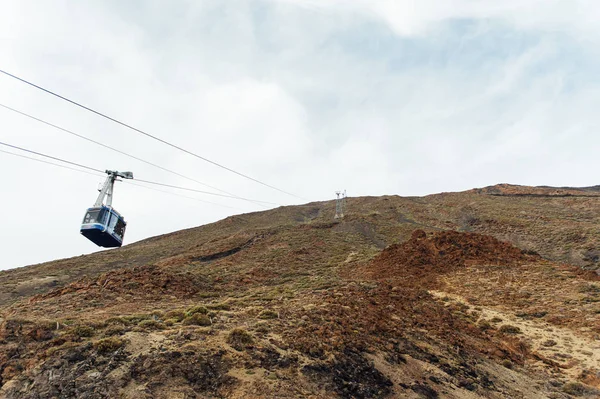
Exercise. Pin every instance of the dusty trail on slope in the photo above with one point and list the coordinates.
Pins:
(569, 353)
(497, 286)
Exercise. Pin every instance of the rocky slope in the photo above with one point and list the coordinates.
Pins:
(487, 293)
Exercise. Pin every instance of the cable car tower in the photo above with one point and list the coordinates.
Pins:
(102, 224)
(340, 204)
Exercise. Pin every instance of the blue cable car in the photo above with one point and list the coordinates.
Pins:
(104, 227)
(102, 224)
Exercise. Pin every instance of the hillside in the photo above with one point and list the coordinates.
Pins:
(490, 293)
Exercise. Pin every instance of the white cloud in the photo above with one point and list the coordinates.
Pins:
(416, 17)
(378, 97)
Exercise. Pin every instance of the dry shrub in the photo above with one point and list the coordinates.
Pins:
(175, 314)
(197, 319)
(240, 339)
(83, 331)
(485, 325)
(219, 306)
(151, 324)
(196, 309)
(576, 389)
(268, 314)
(108, 345)
(510, 329)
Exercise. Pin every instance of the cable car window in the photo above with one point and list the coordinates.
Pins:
(112, 222)
(95, 216)
(120, 228)
(91, 217)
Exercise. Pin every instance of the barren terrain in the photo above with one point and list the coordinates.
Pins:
(489, 293)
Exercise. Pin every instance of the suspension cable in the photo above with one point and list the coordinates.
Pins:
(115, 149)
(139, 180)
(124, 181)
(51, 157)
(147, 134)
(50, 163)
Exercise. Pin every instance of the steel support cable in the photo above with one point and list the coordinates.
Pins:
(139, 180)
(182, 196)
(199, 191)
(116, 150)
(147, 134)
(124, 181)
(50, 163)
(51, 157)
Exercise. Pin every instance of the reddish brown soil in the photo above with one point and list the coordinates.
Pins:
(323, 311)
(511, 189)
(365, 318)
(420, 260)
(142, 281)
(380, 317)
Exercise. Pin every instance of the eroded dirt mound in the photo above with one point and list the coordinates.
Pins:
(424, 257)
(151, 281)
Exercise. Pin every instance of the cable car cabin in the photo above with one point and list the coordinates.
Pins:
(104, 227)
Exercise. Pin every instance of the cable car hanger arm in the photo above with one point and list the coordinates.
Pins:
(107, 188)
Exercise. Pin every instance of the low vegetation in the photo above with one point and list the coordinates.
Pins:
(474, 294)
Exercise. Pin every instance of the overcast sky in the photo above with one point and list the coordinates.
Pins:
(373, 96)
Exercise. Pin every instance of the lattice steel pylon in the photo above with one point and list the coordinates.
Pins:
(340, 204)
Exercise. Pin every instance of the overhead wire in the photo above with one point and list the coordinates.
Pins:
(200, 191)
(125, 181)
(116, 150)
(146, 134)
(50, 163)
(51, 157)
(179, 195)
(197, 191)
(139, 180)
